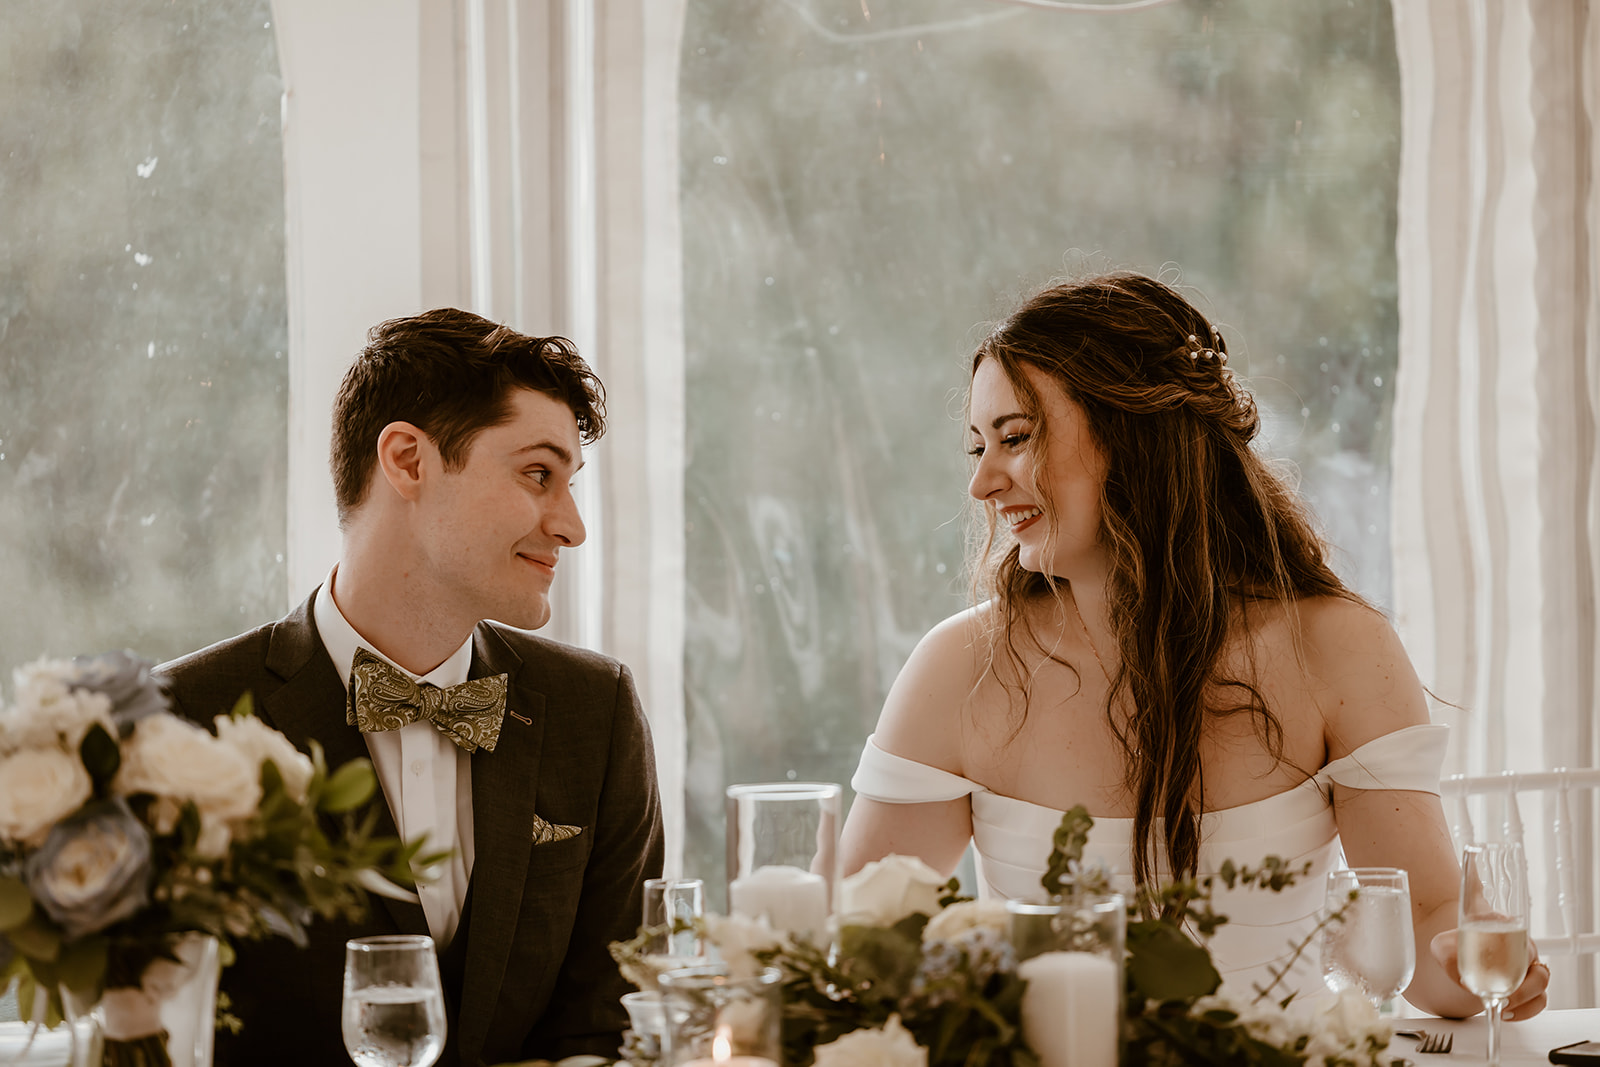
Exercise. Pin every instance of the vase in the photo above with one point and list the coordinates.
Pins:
(714, 1017)
(170, 1019)
(1070, 951)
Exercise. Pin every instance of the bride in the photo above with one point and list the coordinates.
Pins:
(1163, 642)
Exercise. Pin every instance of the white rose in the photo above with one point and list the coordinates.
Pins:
(893, 1046)
(48, 713)
(1349, 1018)
(887, 890)
(737, 940)
(169, 757)
(966, 915)
(260, 742)
(39, 788)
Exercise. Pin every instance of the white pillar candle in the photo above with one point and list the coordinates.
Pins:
(1072, 1009)
(789, 899)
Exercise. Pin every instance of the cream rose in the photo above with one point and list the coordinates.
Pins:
(738, 939)
(169, 757)
(48, 712)
(887, 890)
(967, 915)
(39, 788)
(892, 1046)
(259, 743)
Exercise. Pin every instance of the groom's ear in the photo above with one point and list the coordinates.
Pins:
(402, 458)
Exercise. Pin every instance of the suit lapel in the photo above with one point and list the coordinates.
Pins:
(503, 788)
(311, 706)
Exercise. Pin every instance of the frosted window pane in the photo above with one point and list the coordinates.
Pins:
(143, 367)
(866, 183)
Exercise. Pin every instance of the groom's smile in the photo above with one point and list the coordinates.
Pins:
(494, 528)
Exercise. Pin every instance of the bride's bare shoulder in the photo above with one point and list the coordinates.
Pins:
(956, 647)
(1339, 635)
(1353, 666)
(921, 716)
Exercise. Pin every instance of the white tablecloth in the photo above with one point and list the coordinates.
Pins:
(1521, 1043)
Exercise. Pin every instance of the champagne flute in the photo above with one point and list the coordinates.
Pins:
(393, 1012)
(1371, 948)
(1492, 935)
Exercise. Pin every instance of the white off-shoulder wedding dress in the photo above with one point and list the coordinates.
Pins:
(1013, 842)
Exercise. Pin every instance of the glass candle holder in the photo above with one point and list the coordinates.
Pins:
(1070, 951)
(783, 842)
(647, 1026)
(715, 1018)
(675, 907)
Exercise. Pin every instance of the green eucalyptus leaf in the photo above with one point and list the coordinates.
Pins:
(1163, 964)
(16, 903)
(188, 828)
(82, 966)
(883, 956)
(101, 756)
(244, 707)
(35, 940)
(1071, 835)
(272, 788)
(349, 787)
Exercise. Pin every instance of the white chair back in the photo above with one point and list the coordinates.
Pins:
(1563, 845)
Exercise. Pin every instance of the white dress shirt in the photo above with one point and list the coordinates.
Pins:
(426, 777)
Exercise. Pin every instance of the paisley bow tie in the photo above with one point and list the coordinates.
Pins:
(383, 698)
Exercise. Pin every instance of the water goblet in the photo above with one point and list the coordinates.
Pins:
(393, 1014)
(1370, 946)
(1492, 934)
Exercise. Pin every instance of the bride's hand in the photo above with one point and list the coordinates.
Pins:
(1526, 1001)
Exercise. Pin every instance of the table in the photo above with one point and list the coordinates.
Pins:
(1521, 1043)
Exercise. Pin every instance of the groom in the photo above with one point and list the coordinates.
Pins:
(454, 446)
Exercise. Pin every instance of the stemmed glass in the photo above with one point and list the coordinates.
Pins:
(1492, 934)
(1372, 947)
(393, 1013)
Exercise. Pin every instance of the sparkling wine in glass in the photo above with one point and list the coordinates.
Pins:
(393, 1002)
(1370, 949)
(1492, 934)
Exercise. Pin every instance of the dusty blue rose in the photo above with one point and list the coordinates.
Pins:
(93, 870)
(125, 679)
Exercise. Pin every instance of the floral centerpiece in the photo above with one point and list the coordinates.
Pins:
(922, 977)
(126, 831)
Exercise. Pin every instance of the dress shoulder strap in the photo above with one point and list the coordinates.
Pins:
(1408, 758)
(896, 780)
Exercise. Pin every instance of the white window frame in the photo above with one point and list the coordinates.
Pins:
(520, 159)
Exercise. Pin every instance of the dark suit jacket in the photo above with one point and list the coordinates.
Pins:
(533, 976)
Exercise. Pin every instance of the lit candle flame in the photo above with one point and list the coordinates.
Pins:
(722, 1045)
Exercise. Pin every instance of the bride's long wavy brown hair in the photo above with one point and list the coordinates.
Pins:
(1198, 529)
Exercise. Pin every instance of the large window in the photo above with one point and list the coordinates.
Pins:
(865, 185)
(143, 362)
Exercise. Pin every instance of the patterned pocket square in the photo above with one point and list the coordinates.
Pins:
(546, 832)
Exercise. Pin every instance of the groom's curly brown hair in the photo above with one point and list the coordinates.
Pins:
(449, 373)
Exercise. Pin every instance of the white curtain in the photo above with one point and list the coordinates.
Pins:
(1496, 543)
(517, 158)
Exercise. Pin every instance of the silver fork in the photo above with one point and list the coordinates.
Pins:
(1430, 1042)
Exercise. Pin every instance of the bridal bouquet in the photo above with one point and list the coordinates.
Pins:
(921, 977)
(125, 830)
